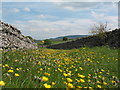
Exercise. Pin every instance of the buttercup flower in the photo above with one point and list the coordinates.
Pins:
(69, 80)
(44, 78)
(17, 75)
(2, 83)
(47, 85)
(70, 85)
(10, 70)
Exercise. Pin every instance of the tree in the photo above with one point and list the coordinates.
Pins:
(47, 42)
(100, 29)
(65, 38)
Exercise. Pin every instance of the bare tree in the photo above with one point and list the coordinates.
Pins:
(100, 29)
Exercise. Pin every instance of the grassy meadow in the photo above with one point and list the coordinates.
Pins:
(47, 68)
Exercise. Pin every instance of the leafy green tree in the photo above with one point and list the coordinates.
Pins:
(47, 42)
(65, 38)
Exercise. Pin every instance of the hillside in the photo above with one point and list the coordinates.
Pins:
(69, 37)
(111, 39)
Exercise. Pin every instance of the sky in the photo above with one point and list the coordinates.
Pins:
(43, 20)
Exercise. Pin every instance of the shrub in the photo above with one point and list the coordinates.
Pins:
(100, 30)
(65, 38)
(47, 42)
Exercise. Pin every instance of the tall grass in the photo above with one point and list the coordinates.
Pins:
(47, 68)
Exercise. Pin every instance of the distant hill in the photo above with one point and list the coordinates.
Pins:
(69, 37)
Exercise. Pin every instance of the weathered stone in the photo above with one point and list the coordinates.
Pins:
(11, 37)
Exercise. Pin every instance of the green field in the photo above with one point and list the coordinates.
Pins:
(54, 41)
(47, 68)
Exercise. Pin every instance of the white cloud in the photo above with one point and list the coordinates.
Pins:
(43, 16)
(15, 10)
(111, 20)
(27, 9)
(60, 0)
(76, 5)
(96, 15)
(41, 29)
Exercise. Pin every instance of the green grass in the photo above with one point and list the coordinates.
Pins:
(54, 41)
(60, 41)
(98, 65)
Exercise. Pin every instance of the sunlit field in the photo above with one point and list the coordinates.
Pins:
(47, 68)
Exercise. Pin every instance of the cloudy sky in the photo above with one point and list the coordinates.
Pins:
(43, 20)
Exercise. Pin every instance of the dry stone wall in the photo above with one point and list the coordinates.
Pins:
(11, 37)
(112, 40)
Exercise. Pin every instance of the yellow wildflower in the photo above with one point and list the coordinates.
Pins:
(48, 68)
(17, 75)
(6, 65)
(98, 81)
(41, 69)
(70, 85)
(15, 60)
(44, 78)
(17, 69)
(42, 41)
(99, 86)
(82, 76)
(46, 74)
(65, 83)
(69, 80)
(80, 68)
(113, 82)
(2, 83)
(10, 70)
(65, 74)
(11, 67)
(102, 70)
(47, 85)
(104, 83)
(39, 62)
(53, 83)
(82, 80)
(79, 87)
